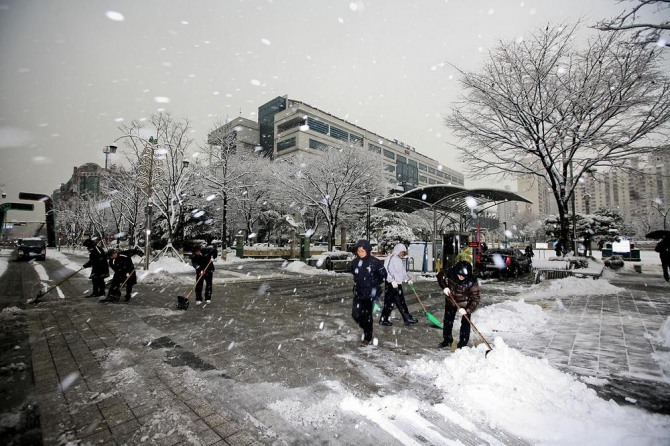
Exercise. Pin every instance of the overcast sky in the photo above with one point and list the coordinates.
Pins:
(72, 71)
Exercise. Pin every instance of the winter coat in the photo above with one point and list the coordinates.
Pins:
(97, 261)
(368, 272)
(122, 265)
(663, 249)
(200, 261)
(395, 267)
(465, 292)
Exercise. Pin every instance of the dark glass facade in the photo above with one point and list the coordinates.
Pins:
(266, 122)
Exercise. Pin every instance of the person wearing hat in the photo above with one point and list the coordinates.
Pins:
(460, 286)
(369, 275)
(124, 275)
(97, 261)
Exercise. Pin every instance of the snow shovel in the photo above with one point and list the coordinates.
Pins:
(34, 301)
(183, 301)
(432, 319)
(467, 318)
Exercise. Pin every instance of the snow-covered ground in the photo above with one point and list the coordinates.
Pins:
(505, 389)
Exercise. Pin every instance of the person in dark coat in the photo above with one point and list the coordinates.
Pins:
(369, 275)
(203, 262)
(459, 284)
(124, 275)
(529, 251)
(663, 250)
(97, 261)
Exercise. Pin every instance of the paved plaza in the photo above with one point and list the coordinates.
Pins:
(141, 373)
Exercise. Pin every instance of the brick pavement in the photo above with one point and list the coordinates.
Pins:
(89, 389)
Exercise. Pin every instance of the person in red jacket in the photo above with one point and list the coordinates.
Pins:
(460, 286)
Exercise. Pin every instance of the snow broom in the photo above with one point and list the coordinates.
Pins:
(36, 299)
(467, 318)
(432, 319)
(183, 301)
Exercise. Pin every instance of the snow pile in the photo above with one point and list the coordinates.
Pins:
(570, 286)
(512, 320)
(11, 313)
(531, 399)
(302, 268)
(166, 271)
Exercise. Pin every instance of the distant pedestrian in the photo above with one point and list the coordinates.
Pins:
(124, 275)
(369, 274)
(663, 250)
(203, 262)
(396, 274)
(529, 251)
(601, 244)
(97, 261)
(559, 248)
(459, 286)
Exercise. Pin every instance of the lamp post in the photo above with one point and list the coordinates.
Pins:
(505, 234)
(108, 150)
(367, 222)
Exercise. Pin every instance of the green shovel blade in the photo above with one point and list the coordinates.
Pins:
(375, 309)
(433, 320)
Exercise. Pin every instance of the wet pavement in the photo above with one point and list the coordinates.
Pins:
(144, 373)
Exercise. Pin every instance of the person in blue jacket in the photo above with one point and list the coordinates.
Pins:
(369, 275)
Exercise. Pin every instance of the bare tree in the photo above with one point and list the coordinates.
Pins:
(543, 108)
(160, 146)
(334, 182)
(631, 19)
(230, 172)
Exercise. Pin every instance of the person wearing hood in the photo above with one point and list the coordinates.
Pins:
(396, 274)
(97, 261)
(663, 250)
(460, 286)
(369, 274)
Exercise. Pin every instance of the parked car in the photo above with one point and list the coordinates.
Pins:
(504, 262)
(31, 247)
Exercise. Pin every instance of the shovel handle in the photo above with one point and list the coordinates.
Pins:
(417, 298)
(467, 318)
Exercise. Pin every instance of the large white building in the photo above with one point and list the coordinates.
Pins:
(286, 126)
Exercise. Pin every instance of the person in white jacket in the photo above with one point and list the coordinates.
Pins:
(396, 274)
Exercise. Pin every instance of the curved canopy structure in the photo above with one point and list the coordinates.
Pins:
(448, 199)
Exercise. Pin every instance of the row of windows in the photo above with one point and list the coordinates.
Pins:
(286, 144)
(334, 132)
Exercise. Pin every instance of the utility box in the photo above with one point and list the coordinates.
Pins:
(239, 246)
(304, 248)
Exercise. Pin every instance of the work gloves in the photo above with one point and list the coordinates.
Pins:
(394, 284)
(447, 292)
(462, 311)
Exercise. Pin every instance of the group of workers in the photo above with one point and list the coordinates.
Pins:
(460, 287)
(121, 263)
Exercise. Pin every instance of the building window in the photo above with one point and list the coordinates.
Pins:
(313, 144)
(422, 167)
(339, 134)
(355, 139)
(374, 148)
(431, 181)
(423, 179)
(285, 144)
(431, 170)
(317, 126)
(389, 154)
(389, 168)
(401, 159)
(439, 174)
(411, 163)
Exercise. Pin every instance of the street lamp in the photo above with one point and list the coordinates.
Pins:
(505, 234)
(367, 224)
(108, 150)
